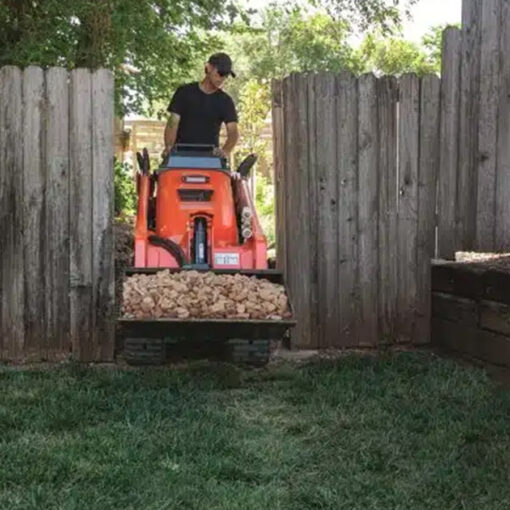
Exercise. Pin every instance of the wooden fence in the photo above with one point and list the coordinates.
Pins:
(356, 163)
(377, 176)
(374, 177)
(56, 211)
(474, 179)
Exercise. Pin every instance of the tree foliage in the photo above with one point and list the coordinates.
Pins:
(152, 45)
(384, 15)
(124, 189)
(290, 39)
(432, 42)
(287, 40)
(394, 56)
(254, 104)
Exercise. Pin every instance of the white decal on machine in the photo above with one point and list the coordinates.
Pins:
(226, 259)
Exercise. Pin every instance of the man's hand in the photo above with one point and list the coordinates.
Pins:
(236, 176)
(166, 151)
(217, 151)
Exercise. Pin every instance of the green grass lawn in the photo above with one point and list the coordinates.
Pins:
(402, 431)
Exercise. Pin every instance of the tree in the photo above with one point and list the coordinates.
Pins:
(432, 43)
(254, 105)
(287, 40)
(151, 45)
(394, 56)
(383, 15)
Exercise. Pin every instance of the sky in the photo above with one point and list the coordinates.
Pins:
(428, 13)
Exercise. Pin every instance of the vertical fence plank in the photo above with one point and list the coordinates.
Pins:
(81, 214)
(57, 212)
(34, 191)
(387, 97)
(407, 221)
(487, 135)
(278, 148)
(427, 186)
(297, 187)
(327, 226)
(302, 210)
(12, 329)
(368, 206)
(3, 210)
(502, 235)
(449, 148)
(313, 208)
(347, 163)
(103, 274)
(288, 199)
(468, 127)
(297, 184)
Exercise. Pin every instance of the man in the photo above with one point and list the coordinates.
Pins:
(197, 110)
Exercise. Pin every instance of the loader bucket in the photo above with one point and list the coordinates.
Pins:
(246, 341)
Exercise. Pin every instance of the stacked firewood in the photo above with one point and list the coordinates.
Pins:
(193, 294)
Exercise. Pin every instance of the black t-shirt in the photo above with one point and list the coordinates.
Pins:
(201, 114)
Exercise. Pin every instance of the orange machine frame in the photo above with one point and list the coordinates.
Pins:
(183, 194)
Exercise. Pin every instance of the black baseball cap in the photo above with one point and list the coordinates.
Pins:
(223, 63)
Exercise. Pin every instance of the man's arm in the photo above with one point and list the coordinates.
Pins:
(232, 138)
(171, 132)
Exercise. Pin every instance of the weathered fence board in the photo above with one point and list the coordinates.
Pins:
(80, 189)
(12, 330)
(56, 249)
(448, 228)
(327, 220)
(302, 207)
(56, 211)
(278, 148)
(103, 274)
(487, 134)
(288, 178)
(387, 97)
(313, 207)
(407, 222)
(297, 208)
(368, 209)
(468, 128)
(502, 230)
(427, 187)
(347, 164)
(33, 197)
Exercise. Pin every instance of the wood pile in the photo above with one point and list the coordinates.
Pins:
(193, 294)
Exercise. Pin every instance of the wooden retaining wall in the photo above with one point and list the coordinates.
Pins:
(471, 311)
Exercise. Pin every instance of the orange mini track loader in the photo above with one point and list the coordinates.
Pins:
(193, 215)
